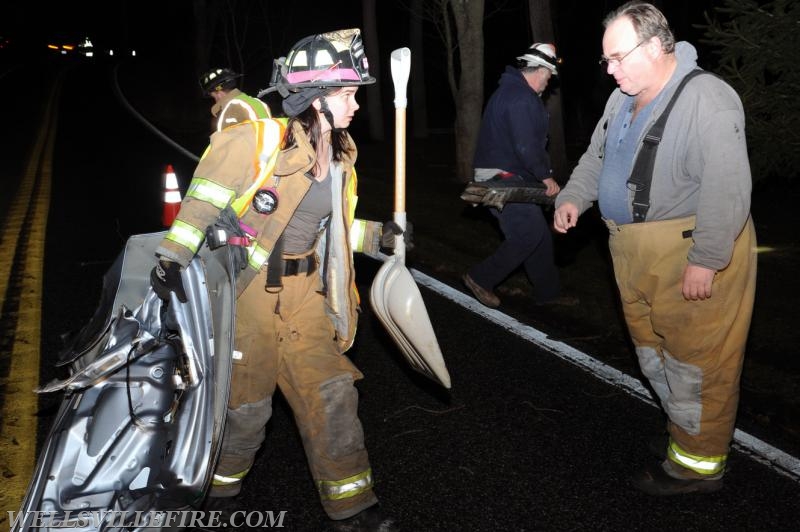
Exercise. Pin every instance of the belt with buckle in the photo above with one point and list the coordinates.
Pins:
(306, 265)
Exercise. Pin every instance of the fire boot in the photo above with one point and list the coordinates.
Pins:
(224, 507)
(370, 520)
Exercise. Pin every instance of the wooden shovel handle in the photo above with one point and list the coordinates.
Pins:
(400, 160)
(401, 68)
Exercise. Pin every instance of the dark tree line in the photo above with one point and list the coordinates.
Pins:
(756, 42)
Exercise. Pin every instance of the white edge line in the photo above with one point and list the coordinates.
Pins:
(757, 449)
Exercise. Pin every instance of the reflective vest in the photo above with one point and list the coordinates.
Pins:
(189, 234)
(237, 107)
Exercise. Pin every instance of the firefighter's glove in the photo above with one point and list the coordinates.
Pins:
(389, 232)
(496, 193)
(166, 278)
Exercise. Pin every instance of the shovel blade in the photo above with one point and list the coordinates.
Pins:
(378, 302)
(407, 311)
(386, 287)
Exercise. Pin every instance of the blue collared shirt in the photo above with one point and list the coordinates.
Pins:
(622, 143)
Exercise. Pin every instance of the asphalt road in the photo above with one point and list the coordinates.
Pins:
(524, 440)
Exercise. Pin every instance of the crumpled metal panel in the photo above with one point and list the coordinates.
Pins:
(140, 426)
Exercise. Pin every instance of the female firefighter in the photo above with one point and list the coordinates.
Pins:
(296, 306)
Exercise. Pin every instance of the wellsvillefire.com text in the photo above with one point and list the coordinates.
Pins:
(175, 518)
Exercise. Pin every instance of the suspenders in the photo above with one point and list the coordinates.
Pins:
(642, 174)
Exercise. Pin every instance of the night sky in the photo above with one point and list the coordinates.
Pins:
(165, 31)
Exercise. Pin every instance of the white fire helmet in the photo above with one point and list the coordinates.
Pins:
(541, 55)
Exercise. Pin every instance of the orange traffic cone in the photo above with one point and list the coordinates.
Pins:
(172, 197)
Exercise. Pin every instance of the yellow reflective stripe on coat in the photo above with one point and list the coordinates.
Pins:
(258, 109)
(227, 480)
(253, 108)
(705, 465)
(351, 189)
(333, 490)
(210, 192)
(357, 232)
(351, 195)
(186, 235)
(256, 256)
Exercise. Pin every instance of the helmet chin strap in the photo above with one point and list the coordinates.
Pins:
(326, 112)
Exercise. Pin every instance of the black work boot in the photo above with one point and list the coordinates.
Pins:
(370, 520)
(654, 480)
(225, 508)
(487, 297)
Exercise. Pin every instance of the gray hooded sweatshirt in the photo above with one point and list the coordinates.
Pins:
(701, 167)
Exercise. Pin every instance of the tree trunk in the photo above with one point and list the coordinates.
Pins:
(419, 101)
(542, 29)
(468, 17)
(374, 101)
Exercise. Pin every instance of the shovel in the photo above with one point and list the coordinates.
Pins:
(394, 295)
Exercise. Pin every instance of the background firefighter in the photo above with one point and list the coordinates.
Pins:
(512, 146)
(296, 312)
(231, 105)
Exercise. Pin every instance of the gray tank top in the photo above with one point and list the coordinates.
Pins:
(304, 226)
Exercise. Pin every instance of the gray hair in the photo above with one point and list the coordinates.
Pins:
(525, 69)
(648, 22)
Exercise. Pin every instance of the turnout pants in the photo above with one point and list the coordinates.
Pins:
(287, 340)
(691, 351)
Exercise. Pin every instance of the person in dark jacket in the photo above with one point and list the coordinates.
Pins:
(512, 145)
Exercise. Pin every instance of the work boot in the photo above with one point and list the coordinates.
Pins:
(654, 480)
(487, 297)
(370, 520)
(225, 506)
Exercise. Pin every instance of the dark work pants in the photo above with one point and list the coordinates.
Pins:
(528, 242)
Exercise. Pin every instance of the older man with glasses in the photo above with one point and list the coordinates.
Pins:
(675, 195)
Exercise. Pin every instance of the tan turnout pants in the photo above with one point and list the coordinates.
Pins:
(286, 339)
(691, 351)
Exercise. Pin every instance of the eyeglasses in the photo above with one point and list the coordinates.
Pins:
(613, 61)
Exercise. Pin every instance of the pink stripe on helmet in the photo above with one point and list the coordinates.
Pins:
(329, 74)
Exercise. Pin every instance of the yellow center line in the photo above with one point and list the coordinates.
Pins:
(15, 217)
(18, 424)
